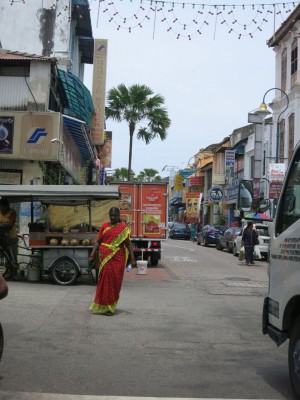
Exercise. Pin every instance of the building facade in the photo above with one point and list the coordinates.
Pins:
(45, 109)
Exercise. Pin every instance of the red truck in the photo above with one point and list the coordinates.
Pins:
(144, 207)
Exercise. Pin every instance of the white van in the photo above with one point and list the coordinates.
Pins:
(281, 312)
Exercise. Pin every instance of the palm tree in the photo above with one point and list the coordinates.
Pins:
(148, 174)
(121, 174)
(141, 110)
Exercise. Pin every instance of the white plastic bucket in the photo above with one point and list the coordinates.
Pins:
(33, 273)
(141, 267)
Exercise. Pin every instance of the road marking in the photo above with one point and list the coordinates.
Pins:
(57, 396)
(178, 247)
(181, 259)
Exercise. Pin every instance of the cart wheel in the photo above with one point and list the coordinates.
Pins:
(1, 341)
(3, 266)
(64, 271)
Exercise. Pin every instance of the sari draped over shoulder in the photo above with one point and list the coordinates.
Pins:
(113, 259)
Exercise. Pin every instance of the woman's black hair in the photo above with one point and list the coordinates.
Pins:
(4, 202)
(114, 210)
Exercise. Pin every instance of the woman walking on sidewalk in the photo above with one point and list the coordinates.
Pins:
(249, 240)
(114, 245)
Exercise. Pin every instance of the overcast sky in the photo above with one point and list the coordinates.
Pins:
(209, 83)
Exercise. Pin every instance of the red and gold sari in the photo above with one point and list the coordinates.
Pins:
(113, 255)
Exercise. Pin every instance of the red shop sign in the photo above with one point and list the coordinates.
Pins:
(196, 180)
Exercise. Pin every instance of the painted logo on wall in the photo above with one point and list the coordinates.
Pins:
(36, 135)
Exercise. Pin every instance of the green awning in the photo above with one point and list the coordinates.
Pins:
(78, 101)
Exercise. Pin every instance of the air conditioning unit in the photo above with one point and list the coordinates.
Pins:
(236, 213)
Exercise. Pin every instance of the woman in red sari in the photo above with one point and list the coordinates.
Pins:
(114, 245)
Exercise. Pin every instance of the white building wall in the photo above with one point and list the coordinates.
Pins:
(279, 101)
(15, 91)
(39, 82)
(35, 28)
(249, 152)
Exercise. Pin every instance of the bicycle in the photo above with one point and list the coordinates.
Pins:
(9, 266)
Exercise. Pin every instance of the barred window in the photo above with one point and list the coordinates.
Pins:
(291, 135)
(294, 60)
(281, 139)
(283, 69)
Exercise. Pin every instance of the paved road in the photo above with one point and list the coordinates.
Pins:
(190, 328)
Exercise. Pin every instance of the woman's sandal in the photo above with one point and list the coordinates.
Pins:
(109, 313)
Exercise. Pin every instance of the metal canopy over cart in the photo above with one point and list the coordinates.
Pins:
(65, 234)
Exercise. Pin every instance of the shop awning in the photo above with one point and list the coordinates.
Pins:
(175, 200)
(58, 194)
(77, 98)
(78, 131)
(187, 172)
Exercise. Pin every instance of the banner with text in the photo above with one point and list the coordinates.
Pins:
(276, 176)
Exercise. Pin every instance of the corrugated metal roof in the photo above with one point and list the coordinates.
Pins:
(17, 55)
(55, 194)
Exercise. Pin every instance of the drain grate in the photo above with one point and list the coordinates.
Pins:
(245, 284)
(232, 292)
(237, 278)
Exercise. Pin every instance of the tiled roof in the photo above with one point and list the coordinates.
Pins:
(17, 55)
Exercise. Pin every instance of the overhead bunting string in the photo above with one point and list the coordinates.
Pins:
(183, 19)
(186, 20)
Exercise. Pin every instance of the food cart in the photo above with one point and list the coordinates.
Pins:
(64, 229)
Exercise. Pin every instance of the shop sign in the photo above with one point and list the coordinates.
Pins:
(196, 180)
(216, 193)
(178, 182)
(256, 188)
(274, 190)
(276, 176)
(192, 207)
(229, 166)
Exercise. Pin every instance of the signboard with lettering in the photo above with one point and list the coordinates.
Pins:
(229, 166)
(178, 182)
(276, 176)
(215, 193)
(192, 207)
(99, 90)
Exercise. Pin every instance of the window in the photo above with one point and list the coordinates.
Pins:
(291, 135)
(251, 166)
(294, 61)
(283, 69)
(288, 211)
(281, 139)
(15, 70)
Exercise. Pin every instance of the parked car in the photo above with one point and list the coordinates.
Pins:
(179, 230)
(226, 240)
(209, 234)
(263, 238)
